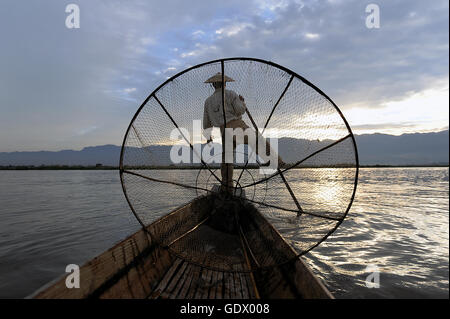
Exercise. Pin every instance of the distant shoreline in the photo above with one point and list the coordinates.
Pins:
(101, 167)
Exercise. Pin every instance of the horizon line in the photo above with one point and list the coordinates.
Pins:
(100, 145)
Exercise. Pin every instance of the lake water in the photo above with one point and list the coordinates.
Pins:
(399, 222)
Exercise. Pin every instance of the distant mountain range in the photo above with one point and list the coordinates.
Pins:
(406, 149)
(373, 149)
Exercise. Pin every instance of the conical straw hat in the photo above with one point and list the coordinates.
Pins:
(218, 78)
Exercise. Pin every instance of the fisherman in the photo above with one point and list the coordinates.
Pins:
(234, 109)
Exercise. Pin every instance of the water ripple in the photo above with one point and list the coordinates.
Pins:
(399, 222)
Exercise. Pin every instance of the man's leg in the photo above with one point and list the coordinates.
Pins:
(226, 170)
(230, 176)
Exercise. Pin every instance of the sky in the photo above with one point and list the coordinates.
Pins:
(64, 88)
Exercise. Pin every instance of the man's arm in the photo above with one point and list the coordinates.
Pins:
(239, 104)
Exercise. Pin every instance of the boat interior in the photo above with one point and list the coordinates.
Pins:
(210, 248)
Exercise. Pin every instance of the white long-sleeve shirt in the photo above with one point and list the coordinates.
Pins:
(213, 113)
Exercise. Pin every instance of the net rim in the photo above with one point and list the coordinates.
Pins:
(270, 63)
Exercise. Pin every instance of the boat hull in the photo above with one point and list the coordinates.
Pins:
(141, 266)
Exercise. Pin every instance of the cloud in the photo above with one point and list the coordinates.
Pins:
(147, 41)
(272, 5)
(200, 50)
(424, 111)
(233, 29)
(312, 35)
(55, 80)
(353, 64)
(198, 34)
(86, 130)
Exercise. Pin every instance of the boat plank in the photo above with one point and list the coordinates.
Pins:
(126, 287)
(181, 282)
(112, 270)
(231, 294)
(213, 285)
(226, 285)
(167, 277)
(176, 278)
(139, 268)
(219, 285)
(201, 284)
(237, 286)
(197, 270)
(244, 285)
(213, 289)
(186, 282)
(307, 283)
(252, 289)
(207, 284)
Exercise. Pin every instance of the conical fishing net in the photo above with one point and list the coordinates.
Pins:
(303, 195)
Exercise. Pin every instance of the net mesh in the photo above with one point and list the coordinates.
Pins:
(166, 163)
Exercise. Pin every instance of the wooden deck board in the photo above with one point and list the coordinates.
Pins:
(181, 282)
(219, 286)
(193, 287)
(226, 285)
(253, 294)
(238, 286)
(167, 277)
(187, 282)
(244, 286)
(213, 289)
(138, 267)
(230, 285)
(208, 283)
(176, 279)
(194, 282)
(201, 284)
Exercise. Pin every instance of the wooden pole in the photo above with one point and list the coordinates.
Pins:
(227, 180)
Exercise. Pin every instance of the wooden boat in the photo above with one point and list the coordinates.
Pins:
(153, 266)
